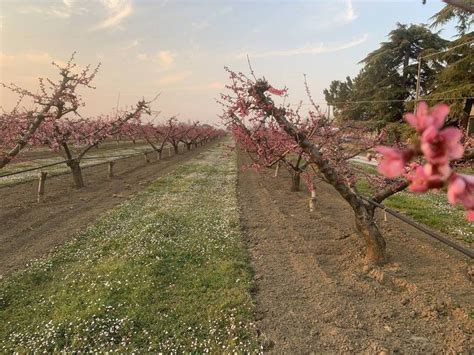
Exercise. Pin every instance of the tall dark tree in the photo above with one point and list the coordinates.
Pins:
(388, 79)
(449, 13)
(456, 79)
(401, 53)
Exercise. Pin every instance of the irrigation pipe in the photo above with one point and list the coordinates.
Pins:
(84, 158)
(466, 251)
(32, 169)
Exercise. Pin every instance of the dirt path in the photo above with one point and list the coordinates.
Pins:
(314, 294)
(29, 230)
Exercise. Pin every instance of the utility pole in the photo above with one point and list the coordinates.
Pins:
(417, 97)
(418, 83)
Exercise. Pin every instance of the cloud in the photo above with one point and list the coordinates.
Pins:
(64, 10)
(130, 44)
(6, 58)
(38, 57)
(117, 11)
(213, 85)
(174, 78)
(166, 59)
(331, 16)
(349, 14)
(316, 49)
(32, 57)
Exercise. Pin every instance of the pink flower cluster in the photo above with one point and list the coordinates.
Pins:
(439, 146)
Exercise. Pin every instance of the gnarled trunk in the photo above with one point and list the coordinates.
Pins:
(374, 241)
(176, 149)
(188, 146)
(295, 181)
(76, 173)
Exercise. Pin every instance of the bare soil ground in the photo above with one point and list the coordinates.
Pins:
(29, 230)
(315, 295)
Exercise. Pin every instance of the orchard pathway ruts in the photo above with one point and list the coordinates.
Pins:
(314, 294)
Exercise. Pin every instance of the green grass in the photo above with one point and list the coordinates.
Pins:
(167, 271)
(431, 209)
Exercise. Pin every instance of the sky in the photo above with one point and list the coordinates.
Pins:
(180, 48)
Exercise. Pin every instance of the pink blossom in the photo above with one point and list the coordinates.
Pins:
(439, 147)
(437, 172)
(461, 191)
(243, 110)
(427, 177)
(274, 91)
(419, 180)
(425, 118)
(393, 161)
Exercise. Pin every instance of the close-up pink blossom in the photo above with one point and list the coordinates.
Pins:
(461, 190)
(419, 180)
(425, 118)
(393, 161)
(439, 147)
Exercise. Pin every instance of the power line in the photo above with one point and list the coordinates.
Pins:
(446, 50)
(386, 101)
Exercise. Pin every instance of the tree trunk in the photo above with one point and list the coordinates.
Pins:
(76, 173)
(295, 181)
(160, 154)
(176, 149)
(188, 146)
(195, 145)
(374, 241)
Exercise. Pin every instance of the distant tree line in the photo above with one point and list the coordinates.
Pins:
(386, 85)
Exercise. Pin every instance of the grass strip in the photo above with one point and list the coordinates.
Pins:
(166, 271)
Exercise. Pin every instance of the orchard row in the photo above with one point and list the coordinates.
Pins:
(55, 121)
(313, 147)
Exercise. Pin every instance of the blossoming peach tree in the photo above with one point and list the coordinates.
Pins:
(159, 135)
(74, 137)
(329, 147)
(51, 102)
